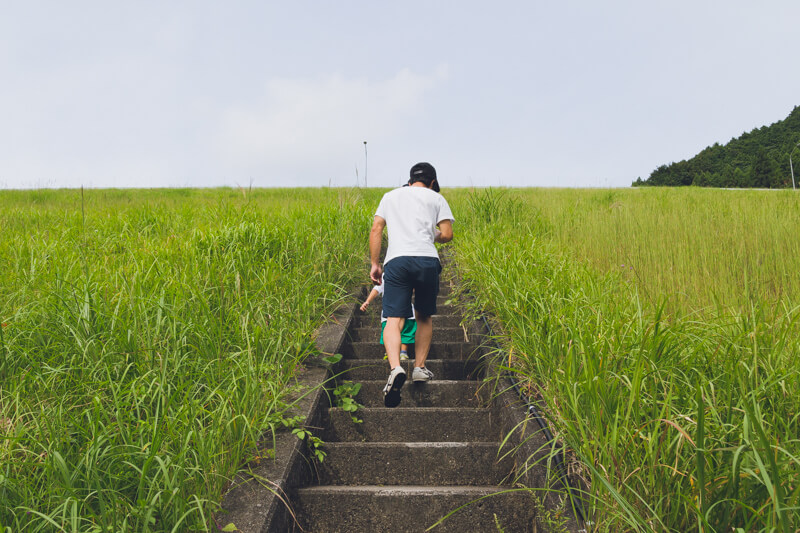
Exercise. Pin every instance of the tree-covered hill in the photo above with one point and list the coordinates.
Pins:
(759, 158)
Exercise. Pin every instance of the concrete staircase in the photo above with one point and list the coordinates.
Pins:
(403, 469)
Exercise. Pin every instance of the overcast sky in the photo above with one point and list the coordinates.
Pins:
(515, 93)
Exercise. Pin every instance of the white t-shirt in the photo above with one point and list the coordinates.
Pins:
(411, 215)
(379, 290)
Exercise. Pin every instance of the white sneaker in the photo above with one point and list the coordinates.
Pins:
(421, 374)
(391, 392)
(404, 356)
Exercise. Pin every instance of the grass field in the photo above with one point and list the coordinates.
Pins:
(150, 337)
(687, 248)
(660, 330)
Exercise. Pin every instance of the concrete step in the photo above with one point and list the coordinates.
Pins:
(410, 424)
(435, 393)
(378, 369)
(370, 508)
(445, 290)
(440, 334)
(447, 350)
(442, 308)
(413, 463)
(447, 300)
(439, 321)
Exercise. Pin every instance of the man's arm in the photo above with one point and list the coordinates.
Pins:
(445, 232)
(375, 237)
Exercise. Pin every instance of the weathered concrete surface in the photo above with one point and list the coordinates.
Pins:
(415, 508)
(401, 424)
(414, 463)
(359, 370)
(372, 334)
(451, 350)
(437, 393)
(439, 320)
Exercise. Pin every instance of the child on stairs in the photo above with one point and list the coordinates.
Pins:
(409, 330)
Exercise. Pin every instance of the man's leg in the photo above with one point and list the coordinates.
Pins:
(397, 375)
(422, 344)
(396, 307)
(426, 289)
(391, 339)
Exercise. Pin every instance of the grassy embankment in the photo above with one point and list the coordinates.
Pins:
(149, 338)
(660, 328)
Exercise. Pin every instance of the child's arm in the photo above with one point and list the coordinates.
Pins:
(372, 294)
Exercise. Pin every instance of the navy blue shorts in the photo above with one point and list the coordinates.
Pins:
(404, 275)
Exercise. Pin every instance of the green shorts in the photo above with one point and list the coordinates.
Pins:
(408, 332)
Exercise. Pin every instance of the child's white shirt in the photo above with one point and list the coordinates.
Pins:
(379, 290)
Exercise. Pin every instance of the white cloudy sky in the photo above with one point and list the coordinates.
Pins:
(516, 93)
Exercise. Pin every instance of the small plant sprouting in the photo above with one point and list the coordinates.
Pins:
(332, 359)
(345, 395)
(498, 525)
(294, 423)
(315, 444)
(276, 419)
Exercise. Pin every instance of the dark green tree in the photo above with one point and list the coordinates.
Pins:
(741, 178)
(761, 170)
(703, 179)
(758, 158)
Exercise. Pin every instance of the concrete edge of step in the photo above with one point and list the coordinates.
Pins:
(258, 498)
(529, 446)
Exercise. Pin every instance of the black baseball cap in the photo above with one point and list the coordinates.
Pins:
(425, 173)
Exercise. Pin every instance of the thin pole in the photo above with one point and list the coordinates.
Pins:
(365, 164)
(791, 167)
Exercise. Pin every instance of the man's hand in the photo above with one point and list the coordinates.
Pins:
(445, 232)
(375, 274)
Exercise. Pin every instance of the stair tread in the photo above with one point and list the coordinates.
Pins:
(377, 326)
(417, 444)
(429, 411)
(423, 463)
(439, 350)
(407, 489)
(378, 369)
(353, 361)
(415, 508)
(372, 333)
(437, 393)
(452, 320)
(466, 383)
(375, 343)
(405, 424)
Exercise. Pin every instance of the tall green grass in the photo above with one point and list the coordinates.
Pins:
(676, 391)
(150, 339)
(694, 247)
